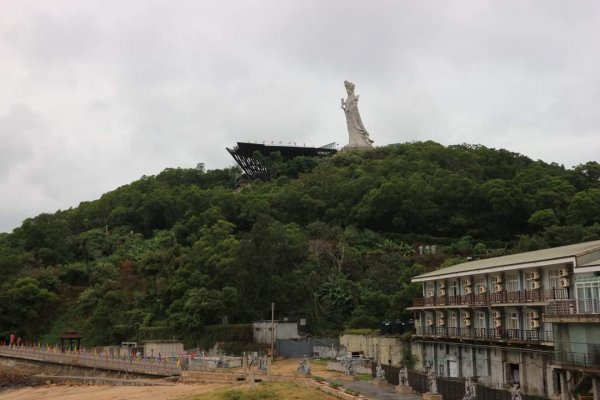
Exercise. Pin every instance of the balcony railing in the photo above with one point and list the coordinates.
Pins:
(586, 360)
(573, 307)
(521, 335)
(486, 299)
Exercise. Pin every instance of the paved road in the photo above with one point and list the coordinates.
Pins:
(379, 392)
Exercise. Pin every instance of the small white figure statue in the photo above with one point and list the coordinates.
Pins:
(379, 372)
(304, 366)
(403, 377)
(432, 381)
(515, 392)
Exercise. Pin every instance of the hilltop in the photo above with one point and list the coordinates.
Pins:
(335, 240)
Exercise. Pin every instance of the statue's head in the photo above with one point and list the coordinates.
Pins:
(349, 85)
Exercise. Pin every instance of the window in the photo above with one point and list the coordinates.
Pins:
(512, 282)
(453, 288)
(429, 290)
(480, 320)
(513, 374)
(554, 279)
(588, 295)
(513, 320)
(452, 320)
(528, 280)
(479, 284)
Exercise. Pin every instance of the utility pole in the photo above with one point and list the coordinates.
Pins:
(272, 332)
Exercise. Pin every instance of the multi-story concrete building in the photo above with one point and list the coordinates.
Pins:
(531, 318)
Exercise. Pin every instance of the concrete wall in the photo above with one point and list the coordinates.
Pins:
(378, 348)
(283, 330)
(31, 367)
(166, 349)
(496, 378)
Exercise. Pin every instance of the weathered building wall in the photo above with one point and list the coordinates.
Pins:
(378, 348)
(165, 349)
(497, 368)
(283, 330)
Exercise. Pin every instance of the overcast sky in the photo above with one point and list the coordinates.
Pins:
(95, 94)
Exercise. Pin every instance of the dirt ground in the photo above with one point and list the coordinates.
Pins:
(174, 392)
(56, 392)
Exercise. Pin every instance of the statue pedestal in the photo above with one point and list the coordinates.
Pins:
(432, 396)
(404, 390)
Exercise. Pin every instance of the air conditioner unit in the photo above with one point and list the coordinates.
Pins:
(496, 315)
(564, 282)
(466, 314)
(442, 285)
(467, 282)
(482, 289)
(466, 322)
(563, 272)
(430, 292)
(534, 323)
(429, 322)
(497, 279)
(498, 287)
(534, 275)
(535, 284)
(441, 321)
(497, 323)
(468, 290)
(440, 314)
(442, 292)
(534, 315)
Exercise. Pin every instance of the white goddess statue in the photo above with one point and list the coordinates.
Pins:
(357, 134)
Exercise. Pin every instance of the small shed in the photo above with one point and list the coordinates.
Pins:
(283, 330)
(163, 348)
(72, 338)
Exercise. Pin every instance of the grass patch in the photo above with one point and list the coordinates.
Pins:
(364, 377)
(266, 391)
(335, 384)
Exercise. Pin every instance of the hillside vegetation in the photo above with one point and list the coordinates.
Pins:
(331, 240)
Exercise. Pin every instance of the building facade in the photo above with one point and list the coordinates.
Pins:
(530, 319)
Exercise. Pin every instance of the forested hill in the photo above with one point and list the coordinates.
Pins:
(330, 239)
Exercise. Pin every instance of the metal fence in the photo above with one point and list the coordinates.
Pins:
(84, 358)
(305, 347)
(450, 388)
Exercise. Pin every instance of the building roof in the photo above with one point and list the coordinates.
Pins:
(244, 155)
(532, 258)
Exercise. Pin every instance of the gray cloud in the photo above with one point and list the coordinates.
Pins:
(17, 131)
(97, 94)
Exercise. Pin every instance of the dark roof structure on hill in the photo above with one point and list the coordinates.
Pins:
(245, 155)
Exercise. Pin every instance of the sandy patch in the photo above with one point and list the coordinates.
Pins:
(282, 367)
(55, 392)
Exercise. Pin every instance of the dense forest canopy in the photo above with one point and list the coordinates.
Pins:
(332, 240)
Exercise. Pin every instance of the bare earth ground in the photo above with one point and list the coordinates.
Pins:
(54, 392)
(175, 392)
